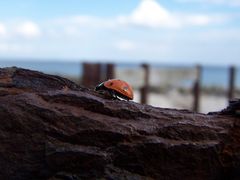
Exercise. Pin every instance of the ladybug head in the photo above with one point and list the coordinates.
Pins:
(99, 87)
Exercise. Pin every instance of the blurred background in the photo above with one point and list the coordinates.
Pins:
(181, 54)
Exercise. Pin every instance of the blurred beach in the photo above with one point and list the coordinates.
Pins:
(170, 86)
(175, 99)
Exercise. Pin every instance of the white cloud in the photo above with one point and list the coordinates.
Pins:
(4, 47)
(14, 48)
(84, 21)
(204, 20)
(28, 29)
(151, 14)
(198, 20)
(71, 30)
(126, 45)
(3, 31)
(77, 25)
(78, 20)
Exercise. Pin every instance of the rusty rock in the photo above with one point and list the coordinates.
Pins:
(52, 128)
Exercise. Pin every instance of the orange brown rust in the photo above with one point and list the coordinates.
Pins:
(52, 128)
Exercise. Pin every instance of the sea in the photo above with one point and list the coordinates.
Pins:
(212, 76)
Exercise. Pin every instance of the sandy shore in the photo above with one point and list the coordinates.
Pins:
(168, 84)
(175, 99)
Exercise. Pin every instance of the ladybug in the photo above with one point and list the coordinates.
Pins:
(116, 88)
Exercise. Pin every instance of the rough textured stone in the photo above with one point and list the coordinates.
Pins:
(54, 129)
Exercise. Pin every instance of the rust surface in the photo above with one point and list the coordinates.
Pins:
(52, 128)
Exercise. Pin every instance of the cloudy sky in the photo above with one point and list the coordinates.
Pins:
(162, 31)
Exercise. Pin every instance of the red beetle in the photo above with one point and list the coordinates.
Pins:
(116, 88)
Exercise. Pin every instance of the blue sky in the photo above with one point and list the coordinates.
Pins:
(162, 31)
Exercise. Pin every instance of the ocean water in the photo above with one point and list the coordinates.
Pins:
(217, 76)
(64, 68)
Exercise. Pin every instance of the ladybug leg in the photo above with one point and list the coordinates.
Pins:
(105, 93)
(113, 94)
(101, 92)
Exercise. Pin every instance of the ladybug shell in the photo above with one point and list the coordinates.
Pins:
(120, 86)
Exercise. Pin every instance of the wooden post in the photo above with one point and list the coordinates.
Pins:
(91, 74)
(197, 89)
(231, 88)
(110, 74)
(145, 89)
